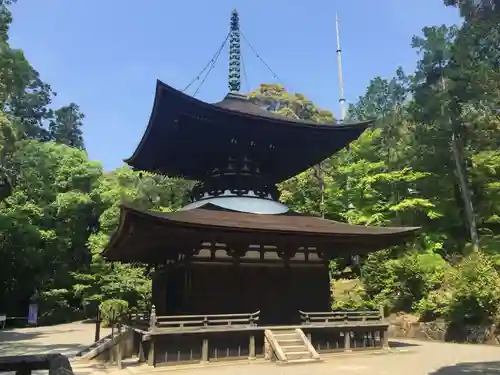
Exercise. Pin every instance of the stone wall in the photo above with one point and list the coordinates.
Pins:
(407, 326)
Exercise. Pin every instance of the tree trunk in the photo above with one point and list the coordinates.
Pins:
(462, 180)
(464, 189)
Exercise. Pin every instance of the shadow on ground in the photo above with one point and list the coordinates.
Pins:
(13, 336)
(401, 344)
(483, 368)
(39, 348)
(14, 342)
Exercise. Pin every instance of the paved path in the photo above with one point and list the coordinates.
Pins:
(66, 339)
(412, 358)
(423, 358)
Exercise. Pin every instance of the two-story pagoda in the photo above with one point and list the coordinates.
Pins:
(235, 249)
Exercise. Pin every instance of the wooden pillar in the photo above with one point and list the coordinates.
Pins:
(141, 356)
(347, 341)
(152, 319)
(381, 312)
(119, 351)
(186, 289)
(204, 351)
(97, 335)
(159, 290)
(129, 343)
(151, 354)
(385, 338)
(251, 346)
(267, 349)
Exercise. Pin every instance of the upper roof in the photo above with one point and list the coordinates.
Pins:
(183, 133)
(141, 233)
(240, 103)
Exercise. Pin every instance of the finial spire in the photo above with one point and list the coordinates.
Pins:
(339, 66)
(234, 54)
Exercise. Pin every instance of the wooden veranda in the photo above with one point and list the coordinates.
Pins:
(166, 340)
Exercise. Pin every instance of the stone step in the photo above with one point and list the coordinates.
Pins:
(278, 331)
(291, 344)
(289, 340)
(297, 355)
(300, 361)
(82, 367)
(294, 348)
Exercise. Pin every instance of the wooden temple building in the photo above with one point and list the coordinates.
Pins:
(237, 273)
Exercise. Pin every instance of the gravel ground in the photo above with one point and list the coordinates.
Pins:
(408, 357)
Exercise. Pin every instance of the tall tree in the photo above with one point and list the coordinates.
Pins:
(436, 103)
(275, 98)
(46, 221)
(65, 126)
(471, 9)
(24, 97)
(7, 148)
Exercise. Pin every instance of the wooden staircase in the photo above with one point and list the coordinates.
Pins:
(291, 346)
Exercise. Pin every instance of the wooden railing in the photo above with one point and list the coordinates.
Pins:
(202, 321)
(340, 317)
(140, 316)
(143, 317)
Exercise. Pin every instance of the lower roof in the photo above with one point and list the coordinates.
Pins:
(146, 236)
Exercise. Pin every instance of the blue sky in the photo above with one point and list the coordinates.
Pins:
(105, 55)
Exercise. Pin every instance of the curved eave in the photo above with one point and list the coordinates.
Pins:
(363, 239)
(154, 111)
(120, 233)
(165, 92)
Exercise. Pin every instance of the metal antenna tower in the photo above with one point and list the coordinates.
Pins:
(339, 66)
(234, 53)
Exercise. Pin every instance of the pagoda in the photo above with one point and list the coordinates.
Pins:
(235, 249)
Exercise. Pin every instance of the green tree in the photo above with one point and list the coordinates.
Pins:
(46, 221)
(23, 95)
(65, 126)
(101, 280)
(435, 103)
(275, 98)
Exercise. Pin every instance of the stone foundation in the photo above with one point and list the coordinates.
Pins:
(407, 326)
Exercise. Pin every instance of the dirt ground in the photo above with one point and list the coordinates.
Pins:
(407, 357)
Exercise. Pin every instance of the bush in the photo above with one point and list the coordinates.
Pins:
(475, 291)
(378, 277)
(349, 294)
(57, 306)
(470, 294)
(434, 306)
(400, 283)
(418, 275)
(113, 310)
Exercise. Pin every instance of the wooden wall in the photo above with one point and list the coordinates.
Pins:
(278, 291)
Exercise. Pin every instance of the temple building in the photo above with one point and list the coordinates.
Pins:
(235, 248)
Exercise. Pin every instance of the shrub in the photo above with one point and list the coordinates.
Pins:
(113, 310)
(434, 306)
(400, 283)
(57, 306)
(475, 291)
(349, 294)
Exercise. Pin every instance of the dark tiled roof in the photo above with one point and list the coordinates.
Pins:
(240, 103)
(141, 233)
(183, 132)
(291, 222)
